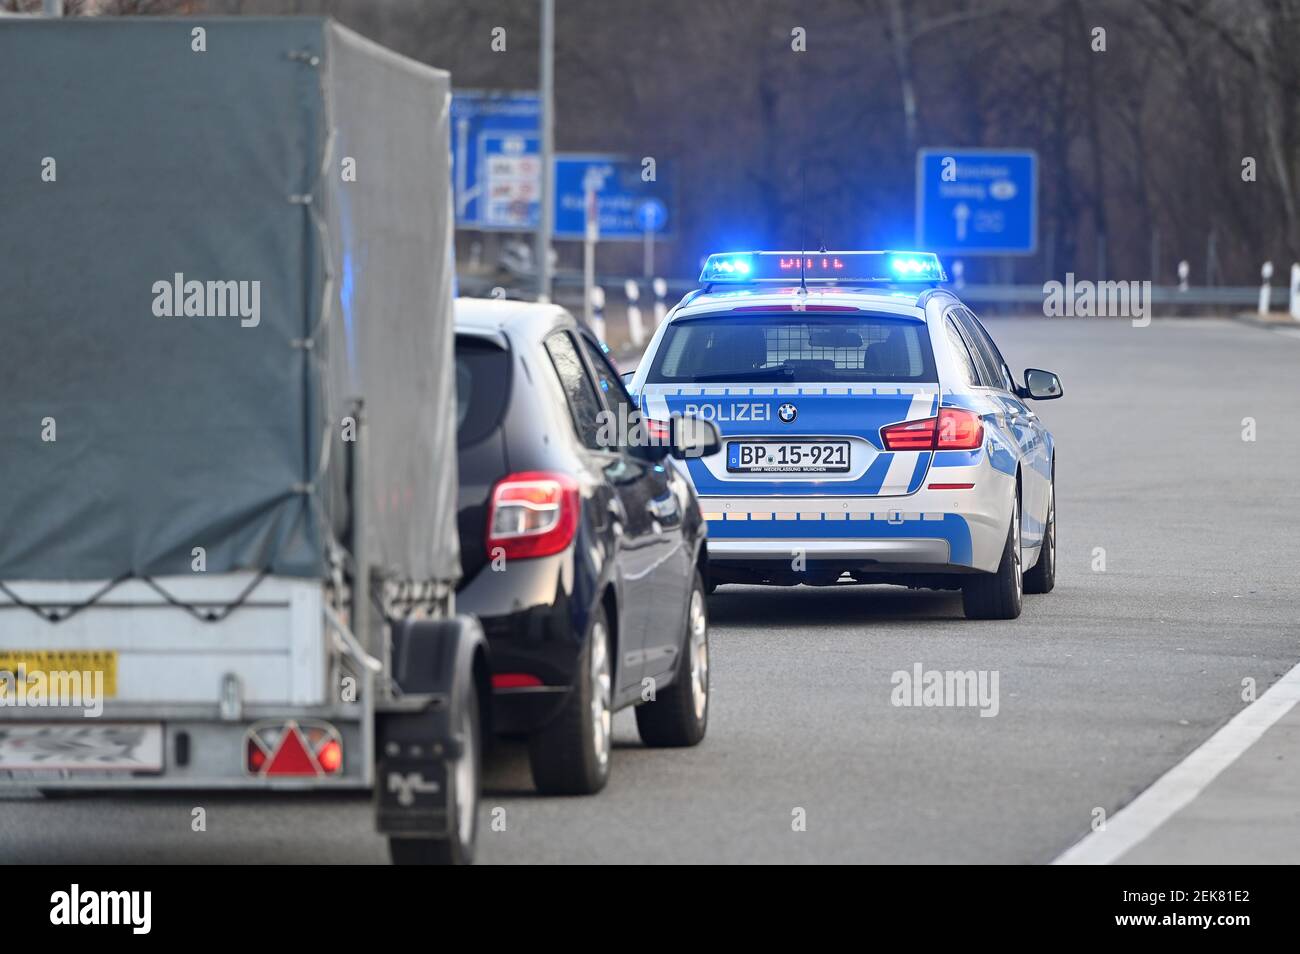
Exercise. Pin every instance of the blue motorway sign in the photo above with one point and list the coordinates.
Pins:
(977, 201)
(651, 215)
(496, 150)
(626, 203)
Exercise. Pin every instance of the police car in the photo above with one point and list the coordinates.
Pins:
(871, 430)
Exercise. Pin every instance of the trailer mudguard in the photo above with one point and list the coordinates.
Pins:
(440, 667)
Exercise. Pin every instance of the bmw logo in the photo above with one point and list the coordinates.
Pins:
(787, 413)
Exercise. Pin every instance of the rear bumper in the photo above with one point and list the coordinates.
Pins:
(936, 552)
(532, 628)
(200, 750)
(929, 531)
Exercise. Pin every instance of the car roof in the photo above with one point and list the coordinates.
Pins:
(493, 318)
(895, 299)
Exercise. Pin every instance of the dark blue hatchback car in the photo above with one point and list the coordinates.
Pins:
(583, 550)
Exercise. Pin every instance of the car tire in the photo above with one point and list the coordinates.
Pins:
(570, 754)
(1042, 578)
(679, 716)
(464, 781)
(998, 595)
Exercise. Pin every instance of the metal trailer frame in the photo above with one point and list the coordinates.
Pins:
(405, 740)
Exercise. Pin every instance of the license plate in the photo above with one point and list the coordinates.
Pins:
(776, 457)
(103, 747)
(59, 662)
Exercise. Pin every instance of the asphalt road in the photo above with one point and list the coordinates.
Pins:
(1104, 684)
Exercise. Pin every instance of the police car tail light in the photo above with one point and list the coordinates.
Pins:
(954, 429)
(532, 514)
(959, 429)
(910, 435)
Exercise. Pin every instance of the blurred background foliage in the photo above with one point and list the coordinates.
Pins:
(1141, 146)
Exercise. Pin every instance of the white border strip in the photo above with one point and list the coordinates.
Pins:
(1177, 788)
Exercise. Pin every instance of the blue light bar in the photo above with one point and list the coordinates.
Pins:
(850, 268)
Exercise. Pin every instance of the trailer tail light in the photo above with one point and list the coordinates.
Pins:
(954, 429)
(330, 757)
(257, 758)
(532, 514)
(307, 749)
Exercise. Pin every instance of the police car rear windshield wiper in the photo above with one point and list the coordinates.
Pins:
(751, 374)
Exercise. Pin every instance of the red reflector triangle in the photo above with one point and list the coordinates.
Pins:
(292, 757)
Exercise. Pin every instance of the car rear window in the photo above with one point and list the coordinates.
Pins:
(482, 386)
(793, 348)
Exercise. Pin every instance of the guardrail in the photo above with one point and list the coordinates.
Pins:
(635, 293)
(1007, 294)
(1159, 294)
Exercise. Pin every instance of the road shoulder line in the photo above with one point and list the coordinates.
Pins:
(1178, 787)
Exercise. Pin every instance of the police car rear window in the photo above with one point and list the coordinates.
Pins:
(793, 347)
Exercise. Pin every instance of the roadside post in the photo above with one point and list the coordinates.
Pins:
(1265, 288)
(546, 212)
(635, 329)
(651, 215)
(661, 300)
(591, 235)
(1184, 270)
(958, 274)
(597, 307)
(1295, 290)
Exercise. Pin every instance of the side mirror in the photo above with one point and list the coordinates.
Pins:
(1042, 385)
(693, 437)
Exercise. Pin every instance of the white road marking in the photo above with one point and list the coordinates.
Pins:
(1289, 332)
(1178, 787)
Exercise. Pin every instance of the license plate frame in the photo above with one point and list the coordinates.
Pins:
(778, 451)
(64, 660)
(94, 747)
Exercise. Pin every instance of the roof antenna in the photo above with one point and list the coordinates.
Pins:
(803, 227)
(821, 227)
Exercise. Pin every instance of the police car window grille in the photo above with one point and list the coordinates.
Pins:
(785, 348)
(794, 343)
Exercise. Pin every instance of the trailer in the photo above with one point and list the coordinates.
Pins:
(228, 546)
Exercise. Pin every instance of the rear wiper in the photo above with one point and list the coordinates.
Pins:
(757, 374)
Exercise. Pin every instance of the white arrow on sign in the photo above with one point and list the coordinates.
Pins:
(961, 212)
